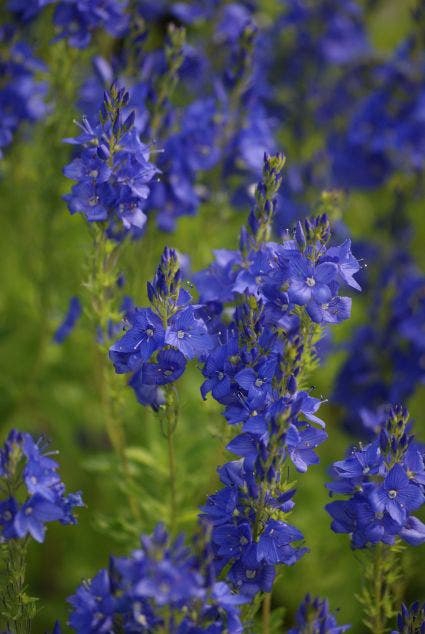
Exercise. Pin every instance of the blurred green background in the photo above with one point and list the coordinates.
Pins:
(54, 389)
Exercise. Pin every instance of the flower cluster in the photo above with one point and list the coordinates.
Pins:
(160, 339)
(385, 483)
(22, 92)
(32, 491)
(385, 356)
(283, 292)
(163, 585)
(314, 616)
(112, 169)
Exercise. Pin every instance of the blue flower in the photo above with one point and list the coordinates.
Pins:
(231, 540)
(145, 336)
(274, 545)
(170, 365)
(258, 381)
(188, 334)
(33, 514)
(309, 284)
(220, 506)
(301, 443)
(252, 577)
(398, 495)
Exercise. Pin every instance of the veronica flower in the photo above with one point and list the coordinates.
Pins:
(161, 339)
(188, 334)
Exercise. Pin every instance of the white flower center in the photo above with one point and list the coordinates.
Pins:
(310, 281)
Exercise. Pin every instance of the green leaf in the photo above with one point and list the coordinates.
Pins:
(146, 458)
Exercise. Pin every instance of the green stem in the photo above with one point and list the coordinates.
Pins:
(169, 424)
(172, 473)
(379, 618)
(266, 609)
